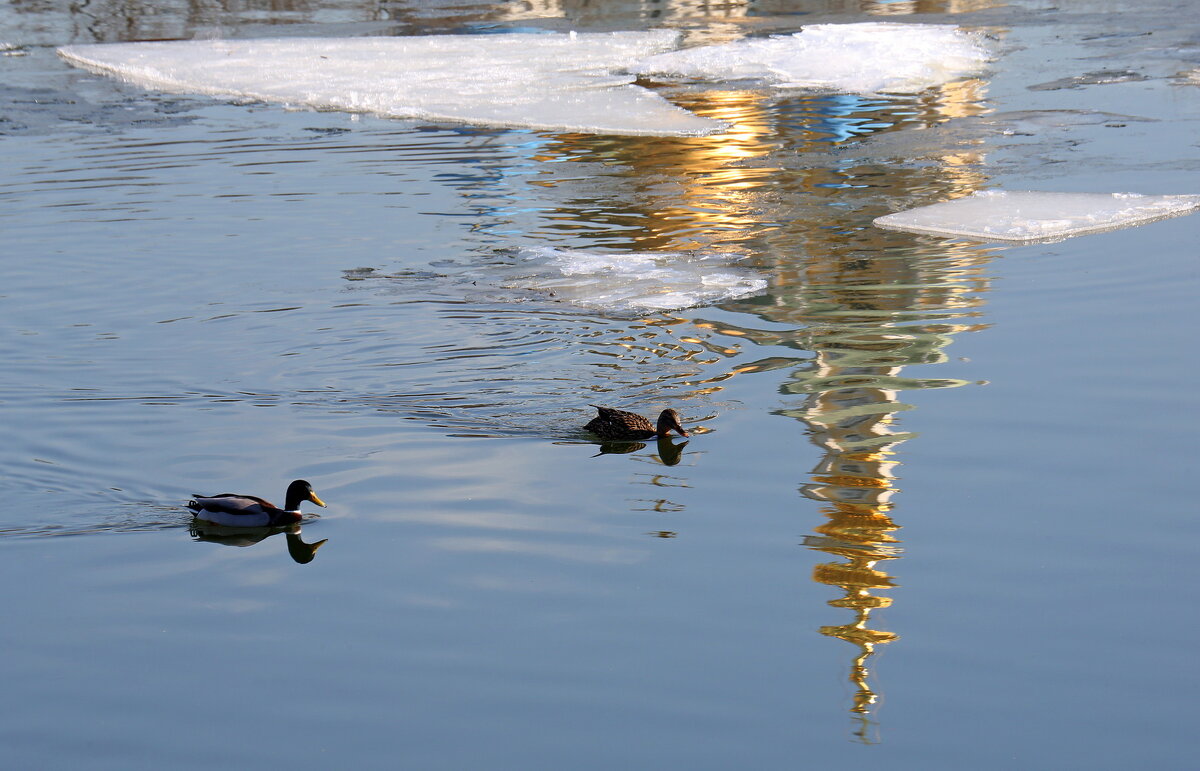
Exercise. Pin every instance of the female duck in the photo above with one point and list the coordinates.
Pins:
(618, 425)
(234, 510)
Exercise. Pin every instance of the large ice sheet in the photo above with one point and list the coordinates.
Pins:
(631, 282)
(563, 82)
(1030, 217)
(872, 57)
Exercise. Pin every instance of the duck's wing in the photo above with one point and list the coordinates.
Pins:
(604, 416)
(632, 421)
(231, 503)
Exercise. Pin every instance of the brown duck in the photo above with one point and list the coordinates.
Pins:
(619, 425)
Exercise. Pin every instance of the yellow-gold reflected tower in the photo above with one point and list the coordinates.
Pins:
(853, 314)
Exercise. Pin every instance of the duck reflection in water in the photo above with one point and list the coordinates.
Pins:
(619, 448)
(300, 551)
(668, 452)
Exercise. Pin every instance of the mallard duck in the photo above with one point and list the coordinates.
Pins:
(619, 425)
(234, 510)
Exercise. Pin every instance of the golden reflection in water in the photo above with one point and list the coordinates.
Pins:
(703, 22)
(867, 310)
(859, 306)
(786, 172)
(710, 10)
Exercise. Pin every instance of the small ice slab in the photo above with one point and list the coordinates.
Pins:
(1026, 217)
(871, 57)
(631, 282)
(551, 81)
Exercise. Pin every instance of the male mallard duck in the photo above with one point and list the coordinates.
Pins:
(620, 425)
(234, 510)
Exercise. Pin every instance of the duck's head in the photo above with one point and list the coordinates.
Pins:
(669, 421)
(299, 492)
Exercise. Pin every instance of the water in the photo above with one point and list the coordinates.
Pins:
(935, 513)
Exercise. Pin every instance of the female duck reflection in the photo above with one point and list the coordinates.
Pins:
(668, 452)
(244, 520)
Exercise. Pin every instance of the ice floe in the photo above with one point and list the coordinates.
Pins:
(554, 81)
(1098, 78)
(1032, 217)
(871, 57)
(1188, 77)
(630, 282)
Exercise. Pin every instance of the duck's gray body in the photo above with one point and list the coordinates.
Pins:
(235, 510)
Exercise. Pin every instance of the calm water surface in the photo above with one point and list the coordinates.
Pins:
(935, 514)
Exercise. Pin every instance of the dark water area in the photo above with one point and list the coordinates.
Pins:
(933, 512)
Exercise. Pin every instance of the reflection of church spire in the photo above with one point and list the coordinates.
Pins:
(854, 480)
(860, 538)
(865, 321)
(865, 316)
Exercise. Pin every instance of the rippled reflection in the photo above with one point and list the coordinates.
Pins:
(792, 187)
(851, 319)
(866, 312)
(123, 20)
(863, 310)
(790, 162)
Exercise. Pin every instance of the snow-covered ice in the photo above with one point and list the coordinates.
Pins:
(1031, 217)
(631, 282)
(553, 81)
(871, 57)
(1188, 77)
